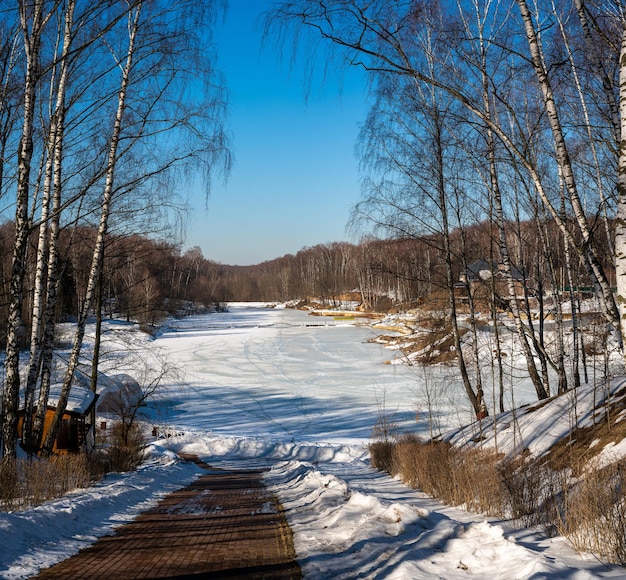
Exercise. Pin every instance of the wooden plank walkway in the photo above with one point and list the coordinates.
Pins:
(224, 525)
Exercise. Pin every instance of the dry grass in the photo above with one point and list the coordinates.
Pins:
(593, 512)
(456, 476)
(584, 502)
(29, 482)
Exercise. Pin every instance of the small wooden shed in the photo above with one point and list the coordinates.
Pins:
(75, 432)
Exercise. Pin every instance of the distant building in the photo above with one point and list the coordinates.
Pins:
(479, 277)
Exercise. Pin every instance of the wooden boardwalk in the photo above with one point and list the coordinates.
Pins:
(224, 525)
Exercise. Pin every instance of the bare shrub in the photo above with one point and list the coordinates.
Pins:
(384, 432)
(124, 448)
(594, 512)
(406, 455)
(433, 470)
(468, 477)
(386, 427)
(30, 482)
(40, 481)
(8, 483)
(75, 470)
(522, 481)
(478, 485)
(123, 458)
(382, 456)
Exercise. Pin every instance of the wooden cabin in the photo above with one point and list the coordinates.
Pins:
(75, 432)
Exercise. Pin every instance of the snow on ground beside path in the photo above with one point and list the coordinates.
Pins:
(352, 522)
(261, 387)
(42, 536)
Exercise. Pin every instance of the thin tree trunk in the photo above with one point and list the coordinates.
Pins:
(32, 43)
(472, 319)
(475, 398)
(558, 309)
(596, 59)
(98, 253)
(620, 224)
(96, 346)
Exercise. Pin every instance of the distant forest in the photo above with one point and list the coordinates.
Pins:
(146, 279)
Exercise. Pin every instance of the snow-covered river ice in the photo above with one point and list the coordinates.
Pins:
(285, 374)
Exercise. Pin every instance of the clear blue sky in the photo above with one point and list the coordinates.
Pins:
(295, 176)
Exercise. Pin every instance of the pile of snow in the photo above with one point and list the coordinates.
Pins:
(122, 392)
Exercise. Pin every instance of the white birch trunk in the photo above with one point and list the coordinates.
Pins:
(620, 226)
(52, 189)
(98, 252)
(32, 41)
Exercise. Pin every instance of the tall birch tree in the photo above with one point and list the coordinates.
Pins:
(98, 252)
(33, 20)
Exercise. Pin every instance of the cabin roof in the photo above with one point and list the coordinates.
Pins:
(79, 402)
(473, 270)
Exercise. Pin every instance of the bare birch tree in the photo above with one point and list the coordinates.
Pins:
(33, 19)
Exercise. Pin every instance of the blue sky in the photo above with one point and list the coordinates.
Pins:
(295, 176)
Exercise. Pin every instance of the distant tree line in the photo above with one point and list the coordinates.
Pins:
(145, 279)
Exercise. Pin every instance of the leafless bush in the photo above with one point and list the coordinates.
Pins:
(466, 477)
(407, 458)
(384, 433)
(478, 485)
(121, 458)
(593, 514)
(123, 449)
(522, 482)
(8, 483)
(382, 456)
(30, 482)
(432, 469)
(386, 427)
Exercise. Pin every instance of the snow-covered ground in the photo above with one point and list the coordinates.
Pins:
(300, 394)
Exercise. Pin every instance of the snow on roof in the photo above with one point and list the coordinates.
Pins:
(79, 401)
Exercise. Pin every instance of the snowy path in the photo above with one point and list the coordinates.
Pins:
(356, 523)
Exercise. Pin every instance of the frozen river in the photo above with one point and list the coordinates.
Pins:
(284, 374)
